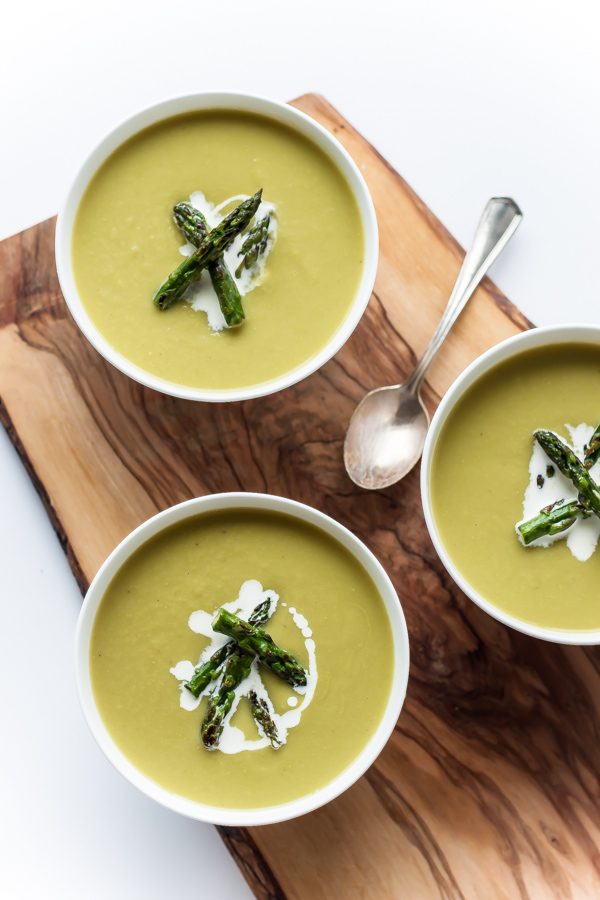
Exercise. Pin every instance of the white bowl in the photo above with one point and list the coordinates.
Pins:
(215, 814)
(280, 112)
(537, 337)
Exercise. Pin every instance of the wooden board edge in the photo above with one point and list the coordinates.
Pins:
(251, 863)
(508, 308)
(61, 533)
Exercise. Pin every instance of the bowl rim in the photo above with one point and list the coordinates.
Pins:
(542, 336)
(222, 815)
(201, 101)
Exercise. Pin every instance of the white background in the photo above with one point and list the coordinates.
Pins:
(466, 99)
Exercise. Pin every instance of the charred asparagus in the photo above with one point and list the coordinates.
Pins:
(221, 700)
(262, 717)
(195, 228)
(571, 467)
(209, 670)
(255, 640)
(209, 250)
(255, 244)
(551, 520)
(592, 454)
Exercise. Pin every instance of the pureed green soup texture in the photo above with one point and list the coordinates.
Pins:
(125, 244)
(141, 631)
(479, 474)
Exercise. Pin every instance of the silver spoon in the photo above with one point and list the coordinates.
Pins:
(386, 434)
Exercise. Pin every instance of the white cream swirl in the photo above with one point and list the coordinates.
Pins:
(233, 739)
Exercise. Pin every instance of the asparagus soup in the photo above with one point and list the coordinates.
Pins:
(232, 658)
(297, 269)
(514, 486)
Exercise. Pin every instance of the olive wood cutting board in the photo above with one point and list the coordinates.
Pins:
(489, 785)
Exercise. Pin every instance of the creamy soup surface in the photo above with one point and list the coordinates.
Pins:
(141, 631)
(480, 472)
(125, 244)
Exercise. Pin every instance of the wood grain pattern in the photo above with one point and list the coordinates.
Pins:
(489, 786)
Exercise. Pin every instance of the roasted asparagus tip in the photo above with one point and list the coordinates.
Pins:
(565, 459)
(264, 720)
(257, 641)
(255, 244)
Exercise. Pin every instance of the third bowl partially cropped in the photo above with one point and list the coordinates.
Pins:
(506, 518)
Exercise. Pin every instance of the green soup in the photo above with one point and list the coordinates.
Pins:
(479, 474)
(125, 244)
(141, 631)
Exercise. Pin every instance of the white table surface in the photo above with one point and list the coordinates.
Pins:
(466, 99)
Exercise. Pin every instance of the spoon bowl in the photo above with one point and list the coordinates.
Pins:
(386, 434)
(385, 437)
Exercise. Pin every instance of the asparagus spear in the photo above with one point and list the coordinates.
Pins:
(191, 222)
(209, 251)
(553, 519)
(255, 640)
(260, 613)
(569, 465)
(262, 717)
(195, 227)
(592, 454)
(254, 245)
(237, 668)
(209, 670)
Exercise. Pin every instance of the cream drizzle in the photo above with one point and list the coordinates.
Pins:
(233, 739)
(582, 536)
(201, 295)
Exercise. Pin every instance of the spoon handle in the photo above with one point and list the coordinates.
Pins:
(498, 223)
